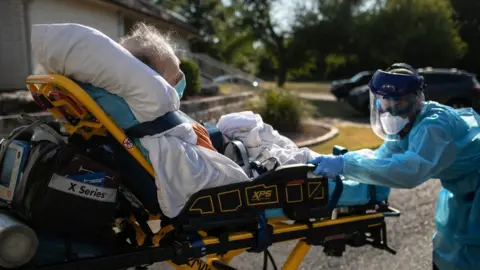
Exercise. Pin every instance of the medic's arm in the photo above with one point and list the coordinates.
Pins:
(431, 149)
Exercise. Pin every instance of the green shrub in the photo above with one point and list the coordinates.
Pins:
(282, 109)
(192, 76)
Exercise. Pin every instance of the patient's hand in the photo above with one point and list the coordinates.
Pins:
(203, 139)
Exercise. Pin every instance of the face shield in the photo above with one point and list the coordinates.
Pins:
(394, 102)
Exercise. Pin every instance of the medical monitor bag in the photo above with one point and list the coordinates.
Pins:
(64, 191)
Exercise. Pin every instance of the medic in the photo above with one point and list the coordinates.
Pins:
(423, 140)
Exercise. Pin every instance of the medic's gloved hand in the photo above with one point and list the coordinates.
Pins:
(328, 165)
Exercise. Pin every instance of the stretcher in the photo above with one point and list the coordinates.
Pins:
(217, 224)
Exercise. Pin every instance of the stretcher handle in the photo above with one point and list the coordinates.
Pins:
(392, 212)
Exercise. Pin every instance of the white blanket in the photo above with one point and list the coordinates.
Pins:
(261, 140)
(87, 55)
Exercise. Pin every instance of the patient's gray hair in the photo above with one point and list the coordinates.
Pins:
(147, 44)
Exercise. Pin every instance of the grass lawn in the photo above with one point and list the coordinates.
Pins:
(230, 88)
(334, 109)
(305, 87)
(352, 138)
(300, 87)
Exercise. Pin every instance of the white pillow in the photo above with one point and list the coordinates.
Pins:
(87, 55)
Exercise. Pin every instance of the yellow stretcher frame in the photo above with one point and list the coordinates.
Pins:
(42, 85)
(45, 85)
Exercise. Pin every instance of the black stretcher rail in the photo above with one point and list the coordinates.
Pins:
(315, 233)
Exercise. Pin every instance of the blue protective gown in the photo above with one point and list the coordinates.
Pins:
(444, 143)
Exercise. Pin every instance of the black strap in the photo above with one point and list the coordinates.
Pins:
(262, 168)
(242, 151)
(157, 126)
(141, 216)
(313, 237)
(373, 194)
(223, 239)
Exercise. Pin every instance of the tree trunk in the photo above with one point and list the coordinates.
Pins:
(282, 64)
(281, 72)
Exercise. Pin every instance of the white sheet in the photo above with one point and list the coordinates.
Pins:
(262, 140)
(87, 55)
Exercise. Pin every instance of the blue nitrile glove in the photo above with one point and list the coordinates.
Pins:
(328, 165)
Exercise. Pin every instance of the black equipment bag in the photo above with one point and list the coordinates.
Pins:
(66, 189)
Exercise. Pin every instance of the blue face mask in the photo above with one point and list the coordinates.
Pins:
(180, 87)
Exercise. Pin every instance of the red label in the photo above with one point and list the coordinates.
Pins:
(300, 181)
(127, 143)
(335, 237)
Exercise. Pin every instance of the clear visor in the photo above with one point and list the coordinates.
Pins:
(391, 117)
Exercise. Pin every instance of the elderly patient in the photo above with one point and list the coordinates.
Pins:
(156, 51)
(132, 92)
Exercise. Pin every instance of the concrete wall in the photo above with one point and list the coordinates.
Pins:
(210, 109)
(14, 59)
(104, 18)
(17, 16)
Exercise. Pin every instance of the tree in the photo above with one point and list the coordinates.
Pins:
(419, 32)
(256, 15)
(203, 15)
(348, 38)
(220, 36)
(466, 16)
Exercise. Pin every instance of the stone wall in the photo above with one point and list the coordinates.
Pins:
(210, 109)
(204, 109)
(17, 102)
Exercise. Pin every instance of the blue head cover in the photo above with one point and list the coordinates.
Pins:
(391, 85)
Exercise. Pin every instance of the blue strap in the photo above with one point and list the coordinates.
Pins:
(157, 126)
(197, 243)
